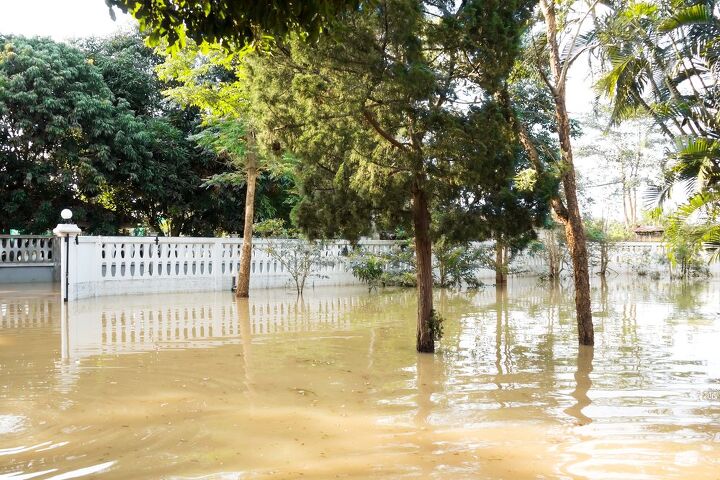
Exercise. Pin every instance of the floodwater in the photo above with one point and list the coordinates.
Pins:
(204, 386)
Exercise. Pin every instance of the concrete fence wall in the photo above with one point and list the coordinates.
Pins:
(639, 258)
(27, 258)
(101, 266)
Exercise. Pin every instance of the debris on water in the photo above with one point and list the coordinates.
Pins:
(303, 392)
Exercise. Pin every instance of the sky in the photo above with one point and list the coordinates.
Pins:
(68, 19)
(60, 19)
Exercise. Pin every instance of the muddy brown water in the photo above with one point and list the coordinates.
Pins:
(204, 386)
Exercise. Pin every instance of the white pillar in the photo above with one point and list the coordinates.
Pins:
(67, 233)
(216, 260)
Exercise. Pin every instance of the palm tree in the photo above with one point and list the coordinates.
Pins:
(662, 59)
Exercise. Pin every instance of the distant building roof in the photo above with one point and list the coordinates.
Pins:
(648, 229)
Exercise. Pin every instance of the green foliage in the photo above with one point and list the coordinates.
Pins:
(63, 137)
(436, 325)
(662, 59)
(300, 258)
(86, 127)
(230, 22)
(457, 264)
(377, 116)
(394, 268)
(368, 269)
(271, 228)
(684, 256)
(214, 80)
(605, 231)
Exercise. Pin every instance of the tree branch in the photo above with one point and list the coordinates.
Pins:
(383, 133)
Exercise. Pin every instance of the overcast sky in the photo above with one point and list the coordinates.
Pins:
(59, 19)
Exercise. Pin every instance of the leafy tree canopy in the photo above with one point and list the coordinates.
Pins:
(63, 135)
(230, 22)
(87, 127)
(389, 111)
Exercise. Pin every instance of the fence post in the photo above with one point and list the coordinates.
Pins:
(216, 260)
(67, 233)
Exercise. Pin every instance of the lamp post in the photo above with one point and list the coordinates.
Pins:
(65, 230)
(66, 214)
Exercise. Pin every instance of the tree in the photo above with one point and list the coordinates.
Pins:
(99, 137)
(631, 162)
(212, 79)
(300, 258)
(662, 59)
(231, 22)
(230, 138)
(63, 137)
(168, 190)
(551, 54)
(377, 123)
(456, 264)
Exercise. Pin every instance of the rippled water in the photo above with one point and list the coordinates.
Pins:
(204, 386)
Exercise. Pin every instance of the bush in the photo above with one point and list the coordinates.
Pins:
(457, 264)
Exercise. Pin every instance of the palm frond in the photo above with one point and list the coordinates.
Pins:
(695, 14)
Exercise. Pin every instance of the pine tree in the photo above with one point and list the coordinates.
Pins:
(386, 126)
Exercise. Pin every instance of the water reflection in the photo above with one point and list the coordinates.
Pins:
(174, 385)
(583, 383)
(147, 323)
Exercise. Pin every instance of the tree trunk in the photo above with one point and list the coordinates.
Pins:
(243, 275)
(603, 258)
(577, 244)
(570, 216)
(423, 253)
(628, 224)
(500, 260)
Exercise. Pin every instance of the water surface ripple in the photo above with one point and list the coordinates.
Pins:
(329, 386)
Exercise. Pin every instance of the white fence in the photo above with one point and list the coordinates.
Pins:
(27, 258)
(640, 258)
(101, 266)
(26, 249)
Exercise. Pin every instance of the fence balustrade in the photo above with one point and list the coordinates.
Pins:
(101, 266)
(26, 249)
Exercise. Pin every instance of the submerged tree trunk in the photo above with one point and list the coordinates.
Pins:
(604, 258)
(570, 215)
(577, 245)
(423, 253)
(243, 275)
(500, 263)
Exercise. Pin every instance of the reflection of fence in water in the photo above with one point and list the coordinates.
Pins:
(27, 312)
(105, 328)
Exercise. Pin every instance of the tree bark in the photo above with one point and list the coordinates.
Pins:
(571, 218)
(500, 261)
(577, 244)
(243, 275)
(423, 253)
(603, 258)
